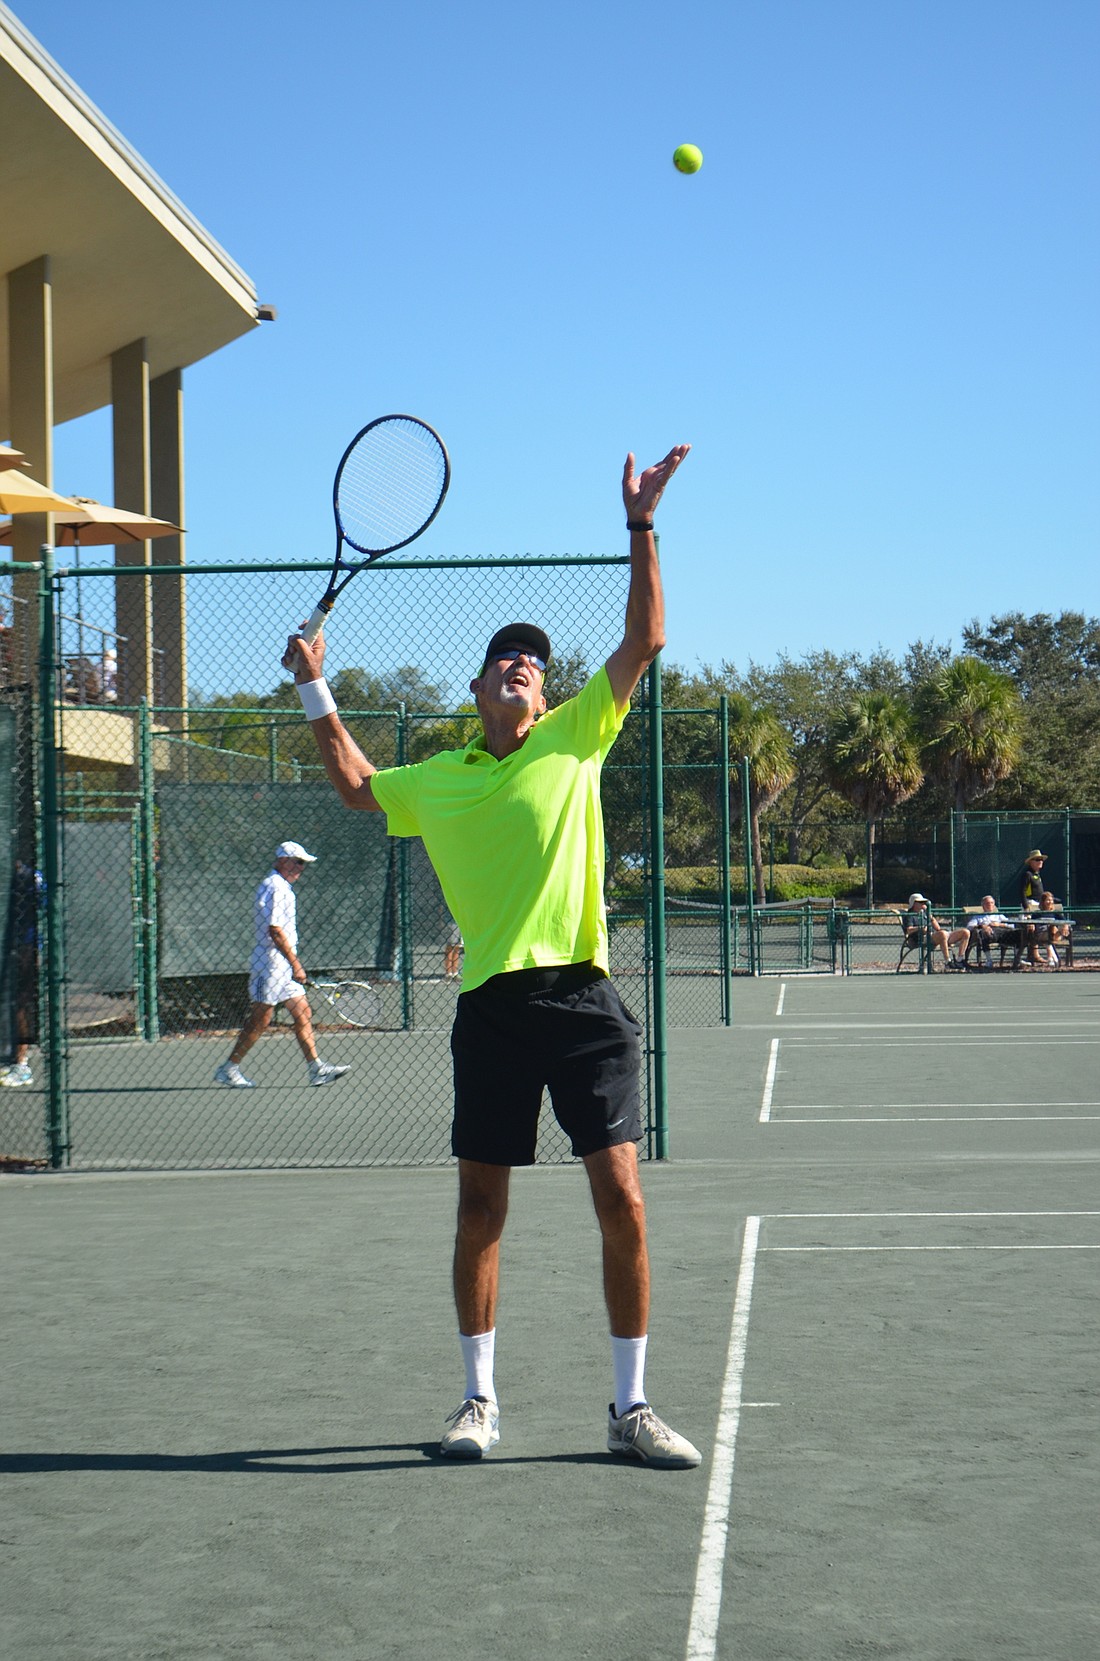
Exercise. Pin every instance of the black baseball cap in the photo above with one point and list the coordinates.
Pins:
(518, 634)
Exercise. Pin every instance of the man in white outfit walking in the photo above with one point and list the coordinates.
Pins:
(277, 976)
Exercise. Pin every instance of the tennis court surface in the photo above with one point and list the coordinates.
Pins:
(875, 1307)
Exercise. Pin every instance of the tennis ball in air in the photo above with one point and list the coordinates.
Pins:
(687, 158)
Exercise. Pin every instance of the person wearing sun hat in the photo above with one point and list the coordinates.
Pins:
(1032, 889)
(1032, 886)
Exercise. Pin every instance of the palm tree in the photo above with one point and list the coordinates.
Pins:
(757, 732)
(872, 758)
(971, 719)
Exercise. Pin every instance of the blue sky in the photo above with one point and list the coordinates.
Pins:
(873, 312)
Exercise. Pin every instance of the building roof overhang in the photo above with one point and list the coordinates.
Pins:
(127, 261)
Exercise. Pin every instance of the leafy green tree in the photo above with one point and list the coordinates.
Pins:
(804, 694)
(1042, 654)
(1055, 664)
(873, 760)
(971, 721)
(756, 732)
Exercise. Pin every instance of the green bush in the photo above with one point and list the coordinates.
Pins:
(790, 882)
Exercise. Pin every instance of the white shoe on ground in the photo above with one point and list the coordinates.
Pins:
(15, 1075)
(640, 1434)
(323, 1072)
(471, 1429)
(229, 1073)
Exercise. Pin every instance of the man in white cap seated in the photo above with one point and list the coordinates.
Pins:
(919, 918)
(277, 976)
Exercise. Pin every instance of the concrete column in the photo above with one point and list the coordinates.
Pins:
(166, 500)
(132, 489)
(30, 359)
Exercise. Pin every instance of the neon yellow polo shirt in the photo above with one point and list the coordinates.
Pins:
(518, 844)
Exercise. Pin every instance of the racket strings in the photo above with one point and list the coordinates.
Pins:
(390, 485)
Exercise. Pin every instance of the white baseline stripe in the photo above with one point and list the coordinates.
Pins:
(769, 1083)
(956, 1119)
(818, 1216)
(945, 1044)
(782, 995)
(861, 1107)
(1035, 1024)
(707, 1603)
(1095, 1248)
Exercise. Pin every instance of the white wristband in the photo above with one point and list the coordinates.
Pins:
(316, 698)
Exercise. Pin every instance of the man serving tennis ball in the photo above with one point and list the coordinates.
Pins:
(513, 827)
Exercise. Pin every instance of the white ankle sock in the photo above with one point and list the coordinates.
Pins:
(628, 1359)
(478, 1352)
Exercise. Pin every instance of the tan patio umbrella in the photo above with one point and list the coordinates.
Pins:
(10, 457)
(84, 523)
(21, 494)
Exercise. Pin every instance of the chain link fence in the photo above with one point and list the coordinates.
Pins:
(126, 975)
(168, 814)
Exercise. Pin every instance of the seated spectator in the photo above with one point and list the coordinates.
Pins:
(918, 918)
(989, 927)
(109, 676)
(1048, 935)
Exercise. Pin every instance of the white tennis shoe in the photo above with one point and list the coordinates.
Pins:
(229, 1073)
(640, 1434)
(15, 1075)
(471, 1429)
(323, 1072)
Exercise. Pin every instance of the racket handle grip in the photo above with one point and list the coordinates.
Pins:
(316, 623)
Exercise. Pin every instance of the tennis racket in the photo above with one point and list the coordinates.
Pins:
(389, 486)
(355, 1002)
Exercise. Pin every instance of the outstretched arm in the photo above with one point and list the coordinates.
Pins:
(348, 769)
(644, 634)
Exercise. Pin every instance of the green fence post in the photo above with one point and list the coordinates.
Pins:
(724, 825)
(137, 919)
(146, 786)
(272, 752)
(659, 1036)
(750, 901)
(1067, 844)
(57, 1083)
(404, 897)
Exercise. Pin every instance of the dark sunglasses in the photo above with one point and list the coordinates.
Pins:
(510, 653)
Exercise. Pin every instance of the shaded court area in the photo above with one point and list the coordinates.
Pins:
(875, 1253)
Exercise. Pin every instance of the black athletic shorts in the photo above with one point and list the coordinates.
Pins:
(564, 1030)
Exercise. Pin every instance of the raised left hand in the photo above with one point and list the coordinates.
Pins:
(641, 495)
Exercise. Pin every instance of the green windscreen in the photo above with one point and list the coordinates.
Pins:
(217, 841)
(8, 833)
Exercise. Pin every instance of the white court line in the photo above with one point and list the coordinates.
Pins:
(945, 1044)
(866, 1107)
(1035, 1024)
(956, 1119)
(924, 1248)
(819, 1216)
(782, 995)
(707, 1603)
(769, 1083)
(706, 1606)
